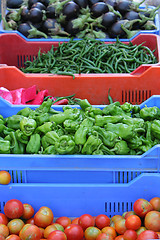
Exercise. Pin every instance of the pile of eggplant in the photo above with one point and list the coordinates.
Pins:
(78, 18)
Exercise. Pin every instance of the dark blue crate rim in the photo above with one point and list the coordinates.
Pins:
(73, 200)
(156, 31)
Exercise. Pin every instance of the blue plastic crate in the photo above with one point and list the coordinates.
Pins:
(156, 31)
(73, 200)
(78, 168)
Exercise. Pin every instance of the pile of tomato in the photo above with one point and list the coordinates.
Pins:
(20, 221)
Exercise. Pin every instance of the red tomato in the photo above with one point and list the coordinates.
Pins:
(102, 221)
(141, 229)
(120, 226)
(5, 177)
(58, 226)
(120, 237)
(133, 222)
(44, 217)
(152, 221)
(129, 214)
(91, 233)
(74, 231)
(86, 220)
(3, 219)
(15, 226)
(57, 235)
(75, 220)
(30, 221)
(13, 209)
(42, 232)
(110, 231)
(141, 207)
(104, 236)
(49, 229)
(64, 221)
(31, 232)
(13, 237)
(4, 230)
(130, 235)
(28, 211)
(2, 237)
(115, 218)
(148, 234)
(155, 203)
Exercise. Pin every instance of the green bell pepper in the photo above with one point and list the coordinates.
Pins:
(28, 126)
(65, 145)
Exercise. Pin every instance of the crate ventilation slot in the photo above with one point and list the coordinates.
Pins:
(22, 58)
(17, 176)
(117, 208)
(137, 96)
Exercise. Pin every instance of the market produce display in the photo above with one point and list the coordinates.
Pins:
(116, 129)
(78, 18)
(21, 221)
(91, 56)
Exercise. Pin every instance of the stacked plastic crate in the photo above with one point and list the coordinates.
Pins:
(72, 185)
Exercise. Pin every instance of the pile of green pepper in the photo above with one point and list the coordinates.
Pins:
(113, 130)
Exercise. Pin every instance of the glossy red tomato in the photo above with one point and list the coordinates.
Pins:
(75, 220)
(120, 237)
(49, 229)
(5, 177)
(42, 232)
(133, 222)
(115, 218)
(120, 226)
(15, 226)
(4, 230)
(2, 237)
(104, 236)
(3, 219)
(57, 235)
(91, 233)
(74, 231)
(13, 209)
(155, 203)
(102, 221)
(86, 220)
(130, 235)
(64, 221)
(141, 207)
(30, 221)
(28, 211)
(44, 217)
(110, 231)
(148, 234)
(31, 232)
(13, 237)
(152, 221)
(129, 214)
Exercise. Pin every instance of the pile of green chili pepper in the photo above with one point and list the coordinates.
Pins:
(112, 130)
(91, 56)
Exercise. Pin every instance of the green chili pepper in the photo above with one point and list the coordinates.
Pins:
(91, 144)
(45, 106)
(50, 150)
(102, 120)
(137, 122)
(28, 126)
(84, 104)
(109, 138)
(71, 125)
(44, 128)
(4, 146)
(155, 128)
(14, 121)
(34, 144)
(65, 145)
(91, 111)
(121, 148)
(50, 138)
(21, 137)
(25, 112)
(67, 114)
(150, 113)
(42, 118)
(122, 130)
(15, 146)
(81, 135)
(135, 142)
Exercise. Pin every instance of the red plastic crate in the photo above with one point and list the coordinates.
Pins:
(135, 87)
